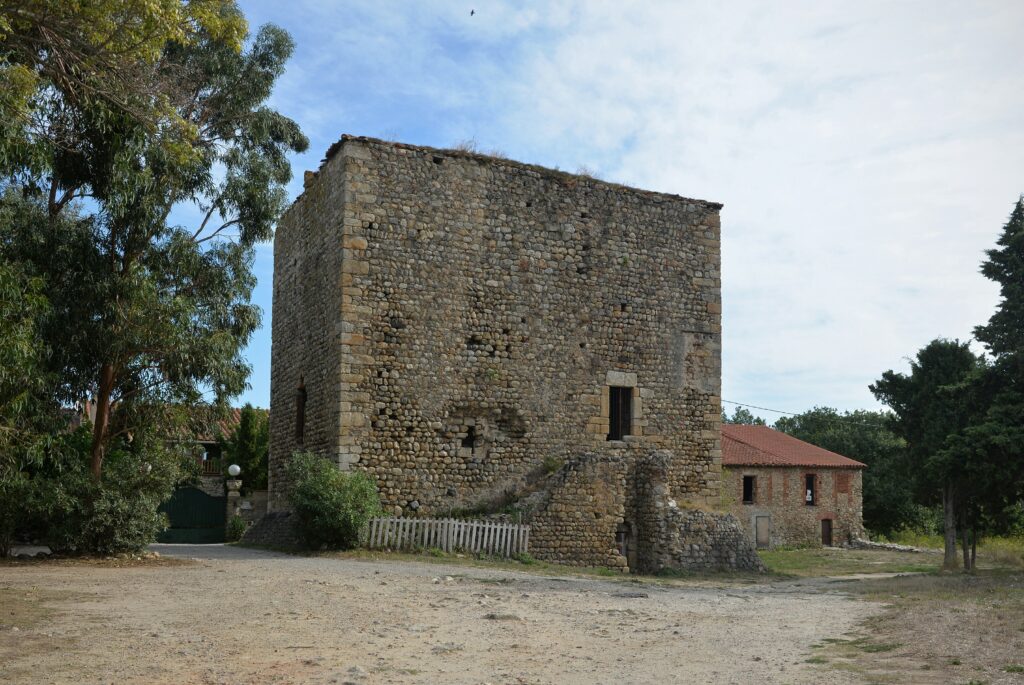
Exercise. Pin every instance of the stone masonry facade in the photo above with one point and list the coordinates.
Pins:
(455, 325)
(779, 495)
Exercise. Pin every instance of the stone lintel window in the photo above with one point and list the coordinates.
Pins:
(810, 489)
(621, 417)
(620, 412)
(749, 489)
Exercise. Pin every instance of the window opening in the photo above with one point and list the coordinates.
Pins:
(748, 489)
(300, 412)
(470, 439)
(810, 495)
(620, 412)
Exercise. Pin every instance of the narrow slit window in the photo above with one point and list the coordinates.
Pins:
(749, 488)
(810, 494)
(300, 413)
(620, 412)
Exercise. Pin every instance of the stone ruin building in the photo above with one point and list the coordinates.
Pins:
(486, 336)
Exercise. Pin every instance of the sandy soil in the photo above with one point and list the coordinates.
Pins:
(240, 616)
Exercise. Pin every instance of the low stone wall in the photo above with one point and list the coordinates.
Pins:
(696, 540)
(861, 543)
(585, 504)
(253, 506)
(276, 529)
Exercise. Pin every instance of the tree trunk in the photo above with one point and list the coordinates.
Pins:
(99, 428)
(964, 539)
(949, 512)
(974, 548)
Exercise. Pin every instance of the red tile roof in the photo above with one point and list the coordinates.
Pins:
(764, 446)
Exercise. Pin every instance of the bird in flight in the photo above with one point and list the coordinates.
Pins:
(472, 12)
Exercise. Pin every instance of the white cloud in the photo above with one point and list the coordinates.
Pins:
(866, 153)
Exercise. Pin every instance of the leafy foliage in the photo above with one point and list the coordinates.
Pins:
(59, 59)
(331, 505)
(743, 416)
(144, 312)
(932, 408)
(58, 501)
(249, 447)
(235, 529)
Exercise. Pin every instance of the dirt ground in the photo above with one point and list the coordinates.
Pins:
(242, 616)
(953, 628)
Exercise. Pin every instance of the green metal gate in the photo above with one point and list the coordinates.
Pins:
(195, 517)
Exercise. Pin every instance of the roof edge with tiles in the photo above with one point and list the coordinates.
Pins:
(764, 446)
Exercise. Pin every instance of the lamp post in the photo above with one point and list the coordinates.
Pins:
(233, 486)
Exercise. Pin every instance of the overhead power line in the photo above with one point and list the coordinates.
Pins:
(846, 420)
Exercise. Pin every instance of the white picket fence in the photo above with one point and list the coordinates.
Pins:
(450, 535)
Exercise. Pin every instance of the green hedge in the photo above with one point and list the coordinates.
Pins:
(331, 505)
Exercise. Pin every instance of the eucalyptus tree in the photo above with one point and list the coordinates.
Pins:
(148, 312)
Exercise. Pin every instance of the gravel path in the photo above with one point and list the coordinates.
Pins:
(243, 616)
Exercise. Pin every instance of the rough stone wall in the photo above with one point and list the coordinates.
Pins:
(696, 540)
(276, 529)
(779, 494)
(306, 327)
(683, 539)
(211, 485)
(585, 504)
(253, 506)
(459, 319)
(596, 496)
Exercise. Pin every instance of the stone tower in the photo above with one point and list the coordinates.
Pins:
(474, 332)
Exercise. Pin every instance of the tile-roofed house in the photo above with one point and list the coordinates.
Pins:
(764, 446)
(789, 492)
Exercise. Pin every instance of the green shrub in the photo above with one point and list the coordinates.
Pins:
(552, 463)
(118, 514)
(235, 528)
(525, 558)
(331, 505)
(20, 508)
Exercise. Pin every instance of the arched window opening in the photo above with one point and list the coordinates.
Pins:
(300, 412)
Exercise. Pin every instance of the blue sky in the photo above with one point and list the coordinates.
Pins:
(866, 153)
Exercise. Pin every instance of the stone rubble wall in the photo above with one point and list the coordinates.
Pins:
(596, 493)
(253, 506)
(700, 541)
(276, 529)
(585, 504)
(684, 539)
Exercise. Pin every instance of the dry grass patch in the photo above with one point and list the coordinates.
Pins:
(829, 561)
(949, 628)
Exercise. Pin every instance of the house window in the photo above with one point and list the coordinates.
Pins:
(810, 494)
(749, 488)
(842, 482)
(620, 412)
(300, 413)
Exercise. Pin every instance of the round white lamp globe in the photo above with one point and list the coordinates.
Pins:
(234, 470)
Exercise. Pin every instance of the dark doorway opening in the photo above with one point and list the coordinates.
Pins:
(826, 532)
(625, 542)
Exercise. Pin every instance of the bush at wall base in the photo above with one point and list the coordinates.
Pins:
(331, 505)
